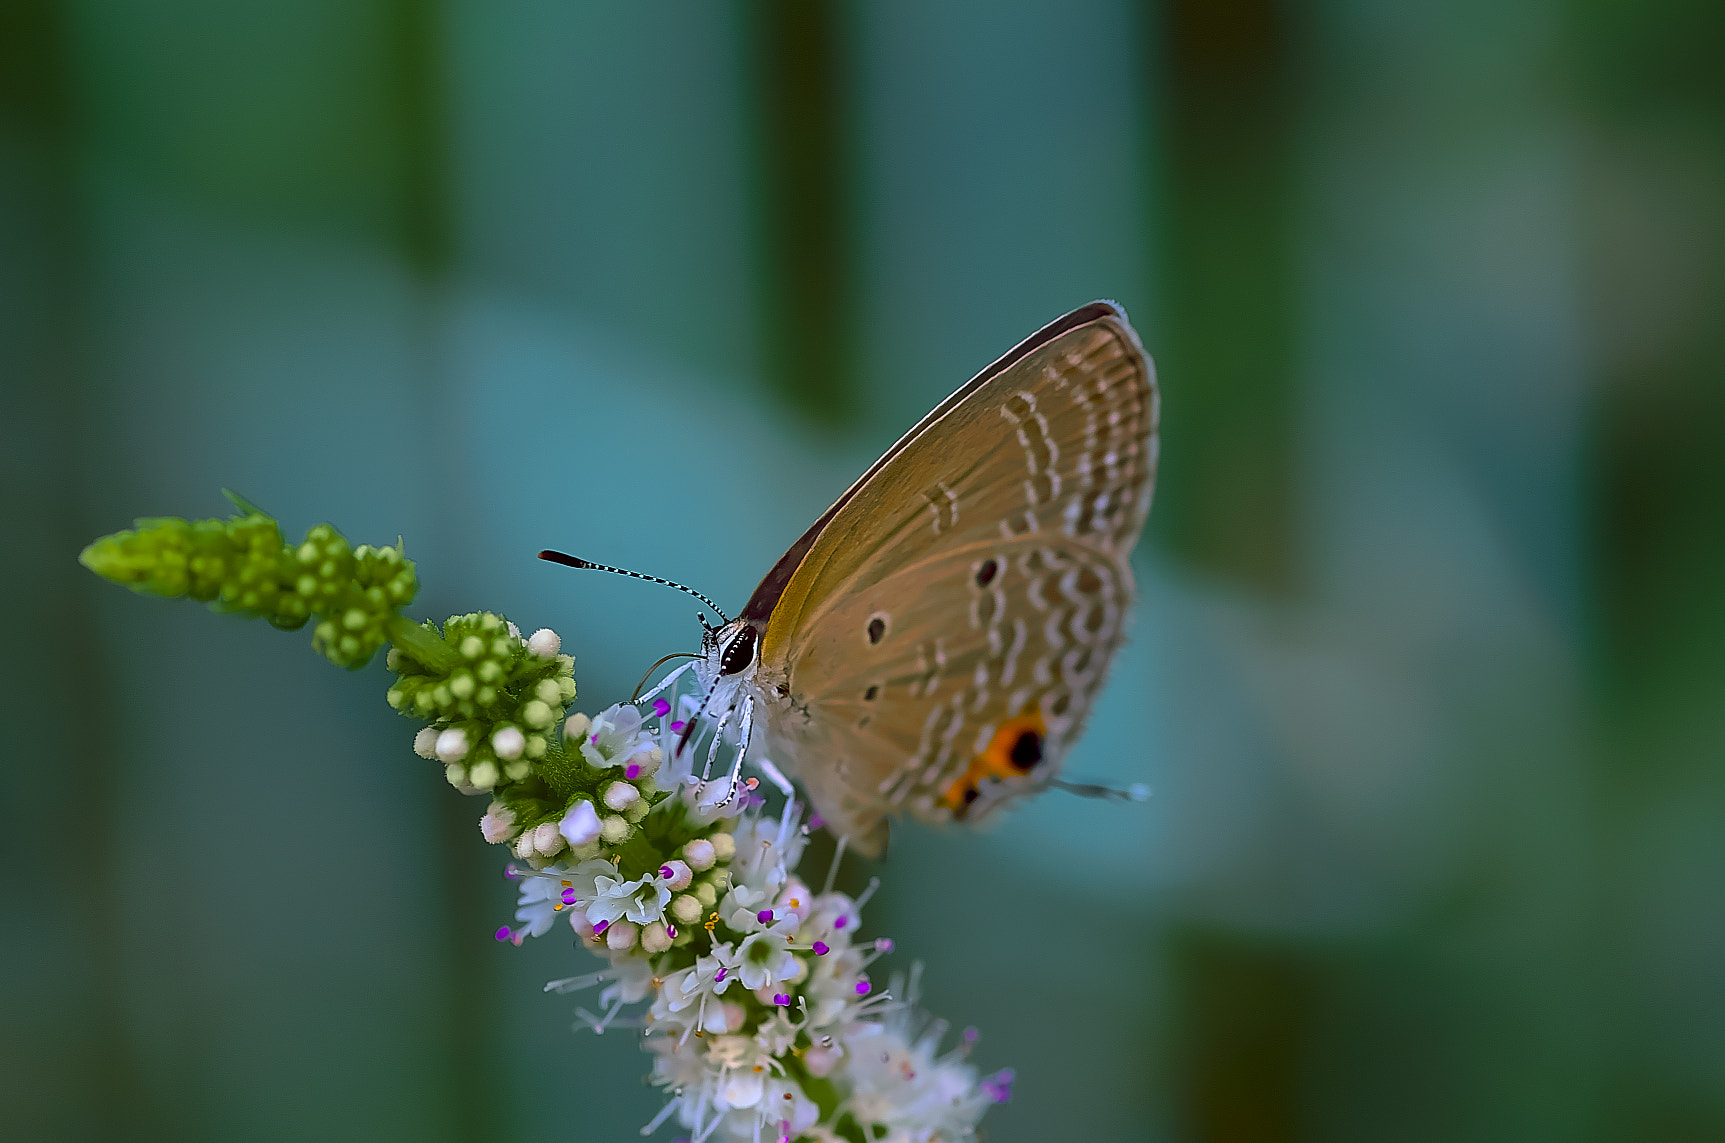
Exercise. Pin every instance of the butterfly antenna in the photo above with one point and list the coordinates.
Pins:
(588, 565)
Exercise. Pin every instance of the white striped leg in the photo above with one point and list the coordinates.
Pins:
(665, 682)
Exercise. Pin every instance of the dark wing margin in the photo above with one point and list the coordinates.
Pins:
(772, 586)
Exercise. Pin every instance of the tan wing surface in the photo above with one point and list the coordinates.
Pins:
(970, 586)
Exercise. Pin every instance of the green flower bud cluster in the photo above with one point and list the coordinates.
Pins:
(241, 566)
(590, 795)
(492, 701)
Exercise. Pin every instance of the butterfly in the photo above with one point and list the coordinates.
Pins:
(932, 644)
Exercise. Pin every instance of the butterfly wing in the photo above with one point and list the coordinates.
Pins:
(934, 642)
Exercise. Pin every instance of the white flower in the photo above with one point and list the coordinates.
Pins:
(642, 900)
(903, 1087)
(614, 737)
(765, 958)
(554, 889)
(580, 825)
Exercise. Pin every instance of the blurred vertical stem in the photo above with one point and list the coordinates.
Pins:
(424, 233)
(1224, 496)
(803, 139)
(44, 412)
(1230, 98)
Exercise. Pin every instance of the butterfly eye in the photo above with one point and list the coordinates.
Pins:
(740, 653)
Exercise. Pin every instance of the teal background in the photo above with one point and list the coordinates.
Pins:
(1427, 675)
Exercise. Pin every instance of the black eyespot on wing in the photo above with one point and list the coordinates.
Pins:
(876, 629)
(971, 793)
(872, 693)
(987, 571)
(1027, 751)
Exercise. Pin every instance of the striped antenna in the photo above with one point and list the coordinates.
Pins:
(588, 565)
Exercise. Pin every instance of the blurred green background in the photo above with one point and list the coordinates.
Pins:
(1429, 671)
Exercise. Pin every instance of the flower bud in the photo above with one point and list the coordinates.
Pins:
(483, 775)
(621, 795)
(580, 825)
(706, 894)
(508, 742)
(543, 642)
(425, 742)
(699, 853)
(676, 875)
(456, 775)
(620, 937)
(724, 846)
(497, 824)
(524, 845)
(576, 728)
(452, 744)
(579, 922)
(546, 838)
(686, 909)
(613, 830)
(537, 714)
(636, 812)
(654, 938)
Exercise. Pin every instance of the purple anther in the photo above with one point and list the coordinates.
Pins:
(841, 922)
(720, 975)
(822, 948)
(666, 872)
(601, 927)
(511, 872)
(884, 944)
(999, 1085)
(671, 931)
(781, 1000)
(594, 740)
(677, 727)
(632, 771)
(569, 896)
(862, 987)
(502, 934)
(816, 821)
(970, 1035)
(765, 916)
(661, 708)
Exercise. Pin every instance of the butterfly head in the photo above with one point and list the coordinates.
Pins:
(730, 650)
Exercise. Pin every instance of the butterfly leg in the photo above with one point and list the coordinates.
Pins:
(745, 729)
(713, 749)
(666, 682)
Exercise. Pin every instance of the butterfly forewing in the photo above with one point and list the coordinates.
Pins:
(971, 589)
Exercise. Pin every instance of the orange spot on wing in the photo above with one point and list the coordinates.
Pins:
(1013, 751)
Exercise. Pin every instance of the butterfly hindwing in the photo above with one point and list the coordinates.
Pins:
(939, 642)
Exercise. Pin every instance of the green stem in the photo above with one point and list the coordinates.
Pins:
(416, 642)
